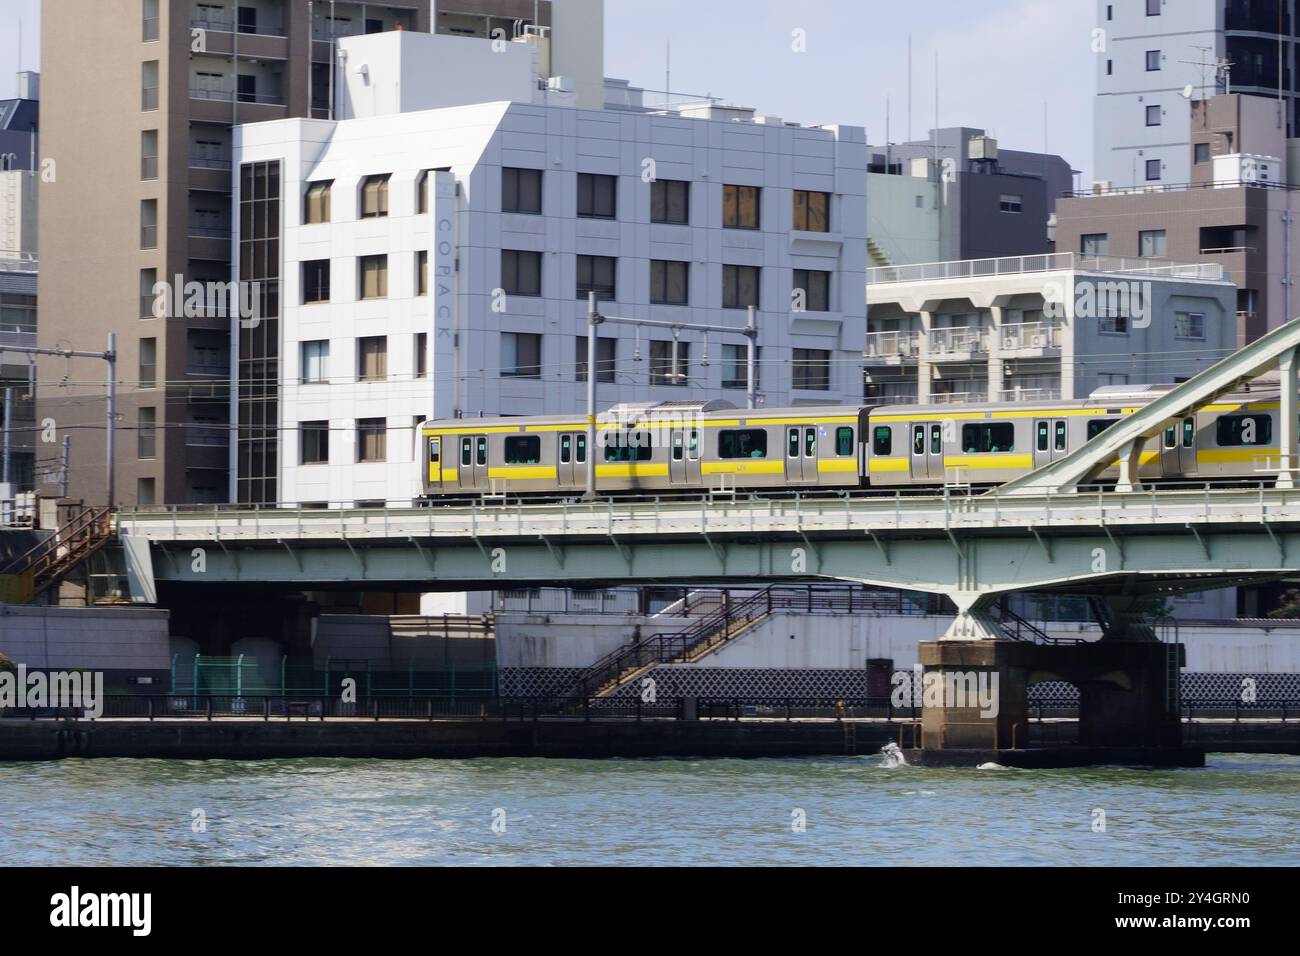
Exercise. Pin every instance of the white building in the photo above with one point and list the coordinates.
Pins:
(1038, 328)
(391, 314)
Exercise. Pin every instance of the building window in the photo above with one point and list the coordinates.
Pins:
(740, 287)
(596, 196)
(150, 305)
(1110, 67)
(421, 355)
(149, 154)
(422, 272)
(314, 438)
(1189, 325)
(740, 207)
(663, 370)
(316, 205)
(1094, 244)
(1153, 242)
(1153, 60)
(812, 291)
(1201, 153)
(148, 224)
(1153, 170)
(1153, 118)
(422, 188)
(521, 191)
(812, 211)
(1153, 8)
(315, 361)
(372, 439)
(316, 281)
(372, 358)
(374, 277)
(148, 363)
(374, 196)
(596, 274)
(149, 86)
(521, 272)
(521, 355)
(1114, 324)
(147, 433)
(605, 359)
(670, 202)
(735, 366)
(812, 369)
(669, 282)
(1009, 202)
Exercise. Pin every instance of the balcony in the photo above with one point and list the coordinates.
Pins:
(207, 435)
(200, 231)
(1030, 337)
(960, 398)
(1047, 262)
(957, 344)
(891, 348)
(1018, 394)
(219, 23)
(209, 157)
(224, 94)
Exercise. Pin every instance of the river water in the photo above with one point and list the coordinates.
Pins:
(1239, 810)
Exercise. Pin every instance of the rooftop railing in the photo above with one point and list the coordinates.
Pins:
(1047, 262)
(1174, 188)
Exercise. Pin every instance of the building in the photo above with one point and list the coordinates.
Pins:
(19, 126)
(1236, 211)
(1038, 328)
(958, 195)
(436, 259)
(1156, 54)
(140, 99)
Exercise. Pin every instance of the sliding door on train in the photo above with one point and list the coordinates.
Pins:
(1178, 449)
(927, 452)
(472, 463)
(801, 454)
(571, 460)
(684, 457)
(1051, 441)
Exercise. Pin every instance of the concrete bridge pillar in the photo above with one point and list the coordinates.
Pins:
(974, 620)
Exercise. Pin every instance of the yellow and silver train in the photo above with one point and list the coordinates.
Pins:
(684, 447)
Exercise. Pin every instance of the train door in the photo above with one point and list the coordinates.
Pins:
(473, 470)
(1178, 449)
(1050, 440)
(801, 454)
(684, 457)
(927, 451)
(571, 460)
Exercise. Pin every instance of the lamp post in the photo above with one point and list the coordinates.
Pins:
(595, 319)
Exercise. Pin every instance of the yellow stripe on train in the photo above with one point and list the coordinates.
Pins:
(744, 466)
(632, 469)
(524, 472)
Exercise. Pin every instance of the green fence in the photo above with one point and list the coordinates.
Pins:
(225, 676)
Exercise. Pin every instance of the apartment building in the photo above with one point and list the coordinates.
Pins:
(1038, 328)
(436, 259)
(140, 97)
(959, 195)
(1156, 54)
(1236, 211)
(19, 162)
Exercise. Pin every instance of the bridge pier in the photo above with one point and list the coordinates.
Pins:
(974, 620)
(974, 699)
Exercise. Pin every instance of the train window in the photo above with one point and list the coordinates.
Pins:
(1042, 438)
(977, 439)
(882, 440)
(810, 443)
(936, 440)
(693, 446)
(582, 448)
(480, 452)
(844, 441)
(628, 446)
(523, 449)
(466, 451)
(743, 443)
(1171, 436)
(1244, 430)
(1099, 425)
(679, 451)
(435, 450)
(566, 449)
(918, 439)
(1060, 435)
(792, 443)
(1189, 432)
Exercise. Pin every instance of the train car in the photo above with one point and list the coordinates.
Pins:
(691, 447)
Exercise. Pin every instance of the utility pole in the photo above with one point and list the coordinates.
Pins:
(595, 319)
(109, 356)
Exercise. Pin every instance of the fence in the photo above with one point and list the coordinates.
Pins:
(242, 676)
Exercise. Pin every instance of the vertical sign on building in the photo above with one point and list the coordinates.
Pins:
(446, 368)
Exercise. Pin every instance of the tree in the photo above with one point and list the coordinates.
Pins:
(1290, 607)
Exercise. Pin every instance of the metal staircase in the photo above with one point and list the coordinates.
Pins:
(702, 638)
(57, 556)
(1016, 628)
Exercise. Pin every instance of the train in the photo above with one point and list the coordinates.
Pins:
(670, 448)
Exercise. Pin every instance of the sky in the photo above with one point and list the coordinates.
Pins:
(1021, 69)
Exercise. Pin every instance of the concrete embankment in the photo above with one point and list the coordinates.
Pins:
(253, 739)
